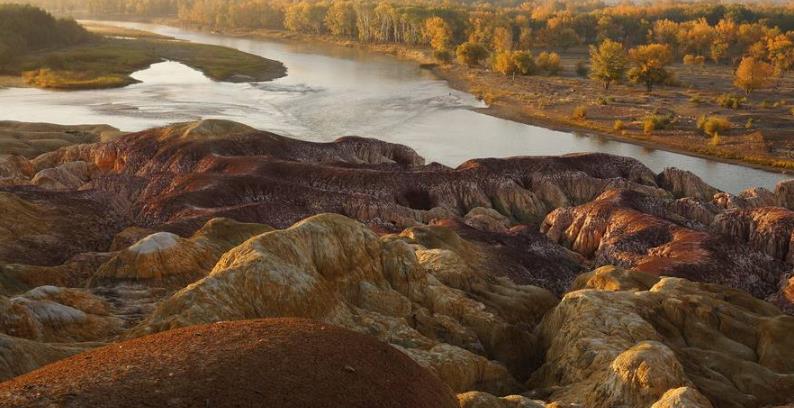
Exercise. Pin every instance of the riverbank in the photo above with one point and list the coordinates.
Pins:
(760, 135)
(111, 59)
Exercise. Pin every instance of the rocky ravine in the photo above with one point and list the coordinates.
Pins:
(584, 280)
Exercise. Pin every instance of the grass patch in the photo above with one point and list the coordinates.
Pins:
(108, 63)
(47, 78)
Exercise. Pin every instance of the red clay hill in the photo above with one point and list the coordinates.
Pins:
(279, 363)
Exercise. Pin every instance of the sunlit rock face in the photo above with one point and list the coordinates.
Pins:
(166, 259)
(617, 343)
(486, 276)
(428, 302)
(662, 238)
(272, 363)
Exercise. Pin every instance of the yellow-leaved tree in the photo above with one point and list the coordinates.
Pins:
(753, 74)
(438, 33)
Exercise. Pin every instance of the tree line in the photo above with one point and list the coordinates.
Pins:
(502, 33)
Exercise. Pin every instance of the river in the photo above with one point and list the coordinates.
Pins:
(335, 91)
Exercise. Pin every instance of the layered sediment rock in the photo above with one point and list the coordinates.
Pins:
(673, 341)
(188, 173)
(57, 315)
(682, 183)
(460, 269)
(32, 139)
(47, 228)
(427, 302)
(630, 229)
(166, 259)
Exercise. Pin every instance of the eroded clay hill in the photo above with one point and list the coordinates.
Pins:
(486, 276)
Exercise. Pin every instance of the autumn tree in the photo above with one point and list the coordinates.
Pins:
(665, 32)
(649, 64)
(438, 33)
(753, 74)
(608, 62)
(504, 63)
(502, 39)
(341, 19)
(305, 17)
(780, 50)
(471, 53)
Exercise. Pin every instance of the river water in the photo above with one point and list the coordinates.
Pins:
(336, 91)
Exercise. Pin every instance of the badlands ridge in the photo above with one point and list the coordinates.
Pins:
(212, 264)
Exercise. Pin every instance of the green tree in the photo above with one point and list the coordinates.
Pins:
(650, 62)
(608, 62)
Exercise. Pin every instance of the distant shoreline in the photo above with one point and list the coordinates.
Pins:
(498, 108)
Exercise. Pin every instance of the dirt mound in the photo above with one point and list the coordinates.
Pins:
(266, 363)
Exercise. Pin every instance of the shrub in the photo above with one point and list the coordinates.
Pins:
(582, 70)
(696, 99)
(471, 53)
(690, 59)
(579, 113)
(656, 122)
(602, 101)
(618, 125)
(731, 101)
(549, 62)
(444, 55)
(524, 62)
(713, 125)
(749, 124)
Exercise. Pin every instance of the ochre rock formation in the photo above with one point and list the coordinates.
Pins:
(427, 302)
(479, 399)
(282, 363)
(164, 258)
(60, 315)
(32, 139)
(607, 346)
